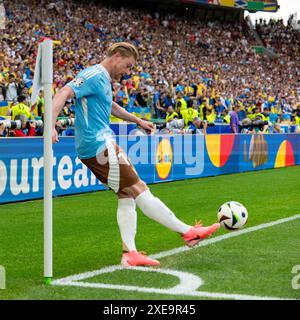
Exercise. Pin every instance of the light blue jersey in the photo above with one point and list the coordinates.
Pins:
(93, 93)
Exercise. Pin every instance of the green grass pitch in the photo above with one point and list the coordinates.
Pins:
(86, 238)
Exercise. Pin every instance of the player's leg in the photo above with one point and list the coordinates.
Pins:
(127, 221)
(126, 211)
(130, 183)
(155, 209)
(109, 168)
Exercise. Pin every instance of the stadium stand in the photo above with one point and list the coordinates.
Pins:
(210, 60)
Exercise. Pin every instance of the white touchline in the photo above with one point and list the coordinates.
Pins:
(232, 234)
(187, 280)
(189, 283)
(170, 291)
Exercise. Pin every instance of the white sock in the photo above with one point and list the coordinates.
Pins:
(127, 219)
(158, 211)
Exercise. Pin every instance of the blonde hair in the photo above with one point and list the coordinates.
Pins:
(124, 48)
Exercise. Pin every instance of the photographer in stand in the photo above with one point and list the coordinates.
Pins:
(254, 126)
(177, 126)
(65, 127)
(27, 128)
(198, 126)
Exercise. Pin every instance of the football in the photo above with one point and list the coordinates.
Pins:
(232, 215)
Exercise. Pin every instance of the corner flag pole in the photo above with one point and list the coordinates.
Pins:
(43, 79)
(47, 80)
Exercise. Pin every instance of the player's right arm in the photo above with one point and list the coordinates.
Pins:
(59, 101)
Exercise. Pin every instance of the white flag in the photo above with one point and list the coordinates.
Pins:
(37, 79)
(2, 16)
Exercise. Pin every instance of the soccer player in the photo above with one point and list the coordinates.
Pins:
(99, 152)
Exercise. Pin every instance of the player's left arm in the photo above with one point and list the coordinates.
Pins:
(121, 113)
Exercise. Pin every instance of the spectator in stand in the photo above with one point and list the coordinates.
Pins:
(40, 104)
(11, 89)
(220, 106)
(165, 102)
(121, 95)
(142, 97)
(181, 52)
(226, 116)
(296, 116)
(171, 114)
(25, 93)
(132, 98)
(20, 109)
(234, 119)
(265, 115)
(181, 104)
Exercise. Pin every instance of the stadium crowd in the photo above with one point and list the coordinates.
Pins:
(201, 71)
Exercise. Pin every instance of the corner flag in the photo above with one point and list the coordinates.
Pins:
(43, 77)
(37, 81)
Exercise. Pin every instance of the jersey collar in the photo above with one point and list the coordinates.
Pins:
(105, 72)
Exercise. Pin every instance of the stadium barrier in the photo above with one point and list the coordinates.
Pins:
(123, 128)
(156, 158)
